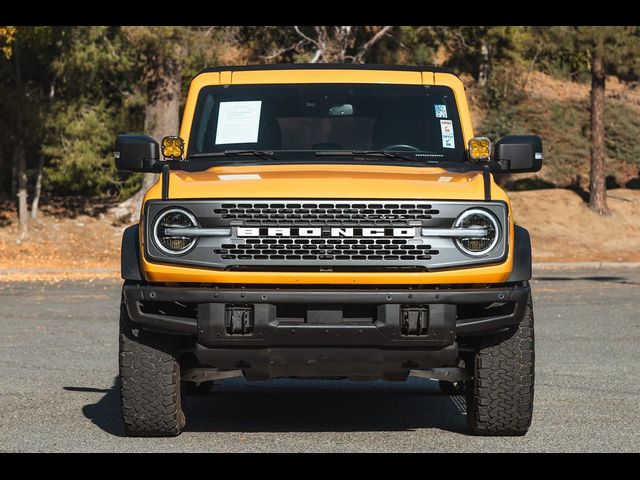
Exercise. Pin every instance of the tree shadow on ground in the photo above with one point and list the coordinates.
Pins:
(74, 206)
(580, 191)
(611, 183)
(286, 405)
(5, 221)
(529, 183)
(592, 278)
(634, 183)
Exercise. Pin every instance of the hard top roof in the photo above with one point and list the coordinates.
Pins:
(329, 66)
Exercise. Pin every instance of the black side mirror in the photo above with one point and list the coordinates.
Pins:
(519, 153)
(137, 153)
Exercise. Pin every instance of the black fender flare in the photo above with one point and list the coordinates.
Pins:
(521, 255)
(130, 254)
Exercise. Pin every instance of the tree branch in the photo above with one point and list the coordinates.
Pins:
(282, 51)
(316, 57)
(372, 41)
(309, 39)
(462, 40)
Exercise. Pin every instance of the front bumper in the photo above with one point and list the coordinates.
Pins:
(205, 307)
(354, 333)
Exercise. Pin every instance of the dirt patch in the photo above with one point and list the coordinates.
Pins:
(562, 227)
(57, 248)
(542, 86)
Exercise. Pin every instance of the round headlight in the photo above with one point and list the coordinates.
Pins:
(481, 220)
(166, 231)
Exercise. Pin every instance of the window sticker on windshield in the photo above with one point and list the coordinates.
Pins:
(441, 111)
(238, 122)
(446, 127)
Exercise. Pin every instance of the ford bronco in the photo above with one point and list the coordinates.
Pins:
(326, 221)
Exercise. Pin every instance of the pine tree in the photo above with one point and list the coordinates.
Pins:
(599, 51)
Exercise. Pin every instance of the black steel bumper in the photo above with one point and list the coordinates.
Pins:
(357, 333)
(208, 306)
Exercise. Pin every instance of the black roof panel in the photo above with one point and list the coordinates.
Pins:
(324, 66)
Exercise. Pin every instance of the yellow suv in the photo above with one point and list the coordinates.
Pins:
(326, 221)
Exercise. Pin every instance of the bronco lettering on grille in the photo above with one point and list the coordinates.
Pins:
(325, 232)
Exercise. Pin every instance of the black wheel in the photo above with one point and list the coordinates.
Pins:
(500, 397)
(451, 388)
(150, 394)
(197, 388)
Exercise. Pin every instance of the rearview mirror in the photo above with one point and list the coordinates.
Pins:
(341, 110)
(137, 153)
(519, 153)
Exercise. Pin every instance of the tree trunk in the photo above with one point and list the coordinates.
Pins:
(14, 177)
(161, 118)
(19, 159)
(597, 185)
(38, 189)
(484, 69)
(23, 209)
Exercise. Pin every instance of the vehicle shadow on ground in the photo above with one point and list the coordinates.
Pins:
(105, 413)
(285, 405)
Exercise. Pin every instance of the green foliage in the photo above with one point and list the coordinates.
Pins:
(96, 96)
(469, 47)
(571, 49)
(622, 125)
(25, 75)
(564, 128)
(82, 158)
(501, 97)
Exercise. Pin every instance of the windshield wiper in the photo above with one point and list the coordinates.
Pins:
(230, 153)
(366, 153)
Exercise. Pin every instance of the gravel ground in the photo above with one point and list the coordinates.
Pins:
(58, 361)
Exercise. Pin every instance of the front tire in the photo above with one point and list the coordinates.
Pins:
(500, 396)
(150, 391)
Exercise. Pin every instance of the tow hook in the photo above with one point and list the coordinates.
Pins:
(414, 320)
(239, 320)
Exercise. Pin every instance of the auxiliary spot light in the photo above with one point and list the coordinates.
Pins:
(479, 149)
(172, 147)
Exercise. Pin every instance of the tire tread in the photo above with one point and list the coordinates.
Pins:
(500, 398)
(150, 393)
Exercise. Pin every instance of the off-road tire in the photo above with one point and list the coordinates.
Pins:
(500, 396)
(150, 387)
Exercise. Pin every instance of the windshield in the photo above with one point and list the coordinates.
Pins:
(298, 122)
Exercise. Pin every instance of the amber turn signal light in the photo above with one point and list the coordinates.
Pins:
(479, 149)
(172, 147)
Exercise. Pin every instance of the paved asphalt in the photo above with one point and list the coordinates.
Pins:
(58, 361)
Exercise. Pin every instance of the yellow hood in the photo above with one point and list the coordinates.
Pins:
(327, 181)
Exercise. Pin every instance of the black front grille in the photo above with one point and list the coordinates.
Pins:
(297, 234)
(330, 249)
(326, 213)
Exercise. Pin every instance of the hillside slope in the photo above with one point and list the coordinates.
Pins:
(559, 111)
(563, 229)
